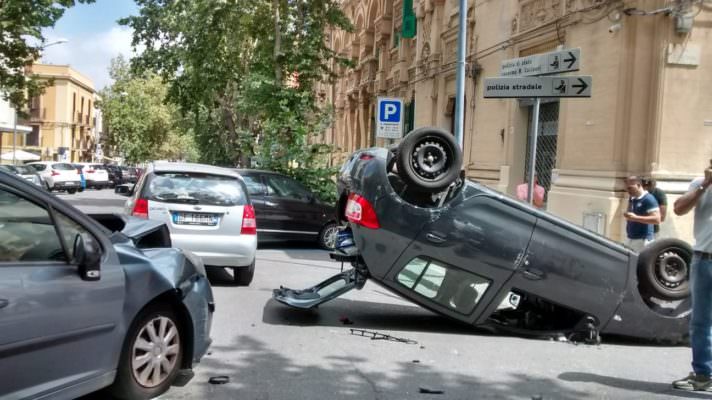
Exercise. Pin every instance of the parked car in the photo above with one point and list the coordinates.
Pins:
(88, 303)
(129, 174)
(465, 251)
(96, 175)
(286, 210)
(207, 211)
(24, 172)
(115, 175)
(58, 175)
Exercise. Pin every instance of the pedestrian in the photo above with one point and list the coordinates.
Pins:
(652, 187)
(539, 192)
(699, 198)
(642, 213)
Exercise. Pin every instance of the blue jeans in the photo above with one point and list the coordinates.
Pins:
(701, 321)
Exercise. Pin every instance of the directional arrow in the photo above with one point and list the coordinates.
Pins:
(583, 86)
(570, 60)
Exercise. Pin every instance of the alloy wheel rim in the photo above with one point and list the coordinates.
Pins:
(330, 236)
(155, 352)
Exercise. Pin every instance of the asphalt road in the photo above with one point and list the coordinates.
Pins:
(270, 351)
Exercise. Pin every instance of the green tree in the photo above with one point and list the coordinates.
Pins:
(140, 124)
(21, 22)
(245, 72)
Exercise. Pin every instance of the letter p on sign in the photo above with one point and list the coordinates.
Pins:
(390, 111)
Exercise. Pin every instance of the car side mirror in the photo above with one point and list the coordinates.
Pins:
(124, 190)
(87, 256)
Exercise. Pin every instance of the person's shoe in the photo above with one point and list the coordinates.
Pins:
(694, 382)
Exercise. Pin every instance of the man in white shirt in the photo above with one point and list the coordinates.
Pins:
(699, 198)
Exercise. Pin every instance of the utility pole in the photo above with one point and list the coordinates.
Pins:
(461, 66)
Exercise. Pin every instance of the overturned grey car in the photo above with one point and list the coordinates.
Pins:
(91, 303)
(460, 249)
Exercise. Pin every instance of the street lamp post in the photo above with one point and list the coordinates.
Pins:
(14, 128)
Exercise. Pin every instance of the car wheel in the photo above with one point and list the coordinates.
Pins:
(428, 159)
(327, 236)
(71, 191)
(243, 275)
(664, 269)
(151, 356)
(98, 187)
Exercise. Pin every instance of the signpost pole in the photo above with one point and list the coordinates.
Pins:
(460, 95)
(532, 154)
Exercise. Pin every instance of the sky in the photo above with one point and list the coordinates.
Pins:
(94, 38)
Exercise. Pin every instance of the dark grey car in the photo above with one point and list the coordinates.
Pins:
(473, 254)
(88, 303)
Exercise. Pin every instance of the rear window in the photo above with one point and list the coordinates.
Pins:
(98, 166)
(38, 167)
(194, 188)
(63, 167)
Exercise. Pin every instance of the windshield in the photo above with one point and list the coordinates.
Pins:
(194, 188)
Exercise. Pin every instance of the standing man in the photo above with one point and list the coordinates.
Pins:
(651, 186)
(699, 198)
(643, 212)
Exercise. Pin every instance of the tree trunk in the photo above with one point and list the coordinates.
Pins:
(277, 42)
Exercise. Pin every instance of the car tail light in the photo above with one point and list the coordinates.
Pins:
(366, 156)
(249, 223)
(90, 171)
(55, 173)
(140, 208)
(361, 212)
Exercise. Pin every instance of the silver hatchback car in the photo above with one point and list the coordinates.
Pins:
(206, 209)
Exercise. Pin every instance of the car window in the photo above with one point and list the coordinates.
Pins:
(194, 188)
(69, 230)
(63, 167)
(24, 170)
(254, 186)
(98, 166)
(26, 231)
(281, 186)
(38, 167)
(448, 286)
(8, 168)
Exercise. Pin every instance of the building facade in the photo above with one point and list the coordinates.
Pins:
(649, 113)
(11, 134)
(62, 118)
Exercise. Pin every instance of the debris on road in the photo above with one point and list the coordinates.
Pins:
(219, 380)
(380, 336)
(416, 361)
(345, 320)
(430, 391)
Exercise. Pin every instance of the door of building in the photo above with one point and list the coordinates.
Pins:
(546, 143)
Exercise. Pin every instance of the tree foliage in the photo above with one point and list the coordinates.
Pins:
(140, 124)
(22, 21)
(244, 71)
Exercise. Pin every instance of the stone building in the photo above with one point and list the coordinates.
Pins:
(649, 113)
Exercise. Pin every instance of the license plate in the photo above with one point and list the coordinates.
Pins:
(195, 219)
(69, 183)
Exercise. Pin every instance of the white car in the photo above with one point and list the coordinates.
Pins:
(96, 175)
(58, 175)
(207, 211)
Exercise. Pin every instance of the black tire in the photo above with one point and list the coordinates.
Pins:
(664, 269)
(71, 191)
(99, 187)
(429, 159)
(127, 386)
(243, 275)
(327, 236)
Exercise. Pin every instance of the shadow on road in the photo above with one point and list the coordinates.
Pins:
(259, 372)
(632, 385)
(365, 315)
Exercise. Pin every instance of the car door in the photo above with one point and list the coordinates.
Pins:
(290, 210)
(460, 261)
(56, 329)
(256, 190)
(574, 268)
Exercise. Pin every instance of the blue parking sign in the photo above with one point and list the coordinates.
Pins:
(389, 118)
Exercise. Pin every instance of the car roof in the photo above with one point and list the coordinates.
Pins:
(257, 171)
(190, 167)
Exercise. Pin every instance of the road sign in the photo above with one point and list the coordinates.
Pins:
(538, 86)
(389, 118)
(555, 62)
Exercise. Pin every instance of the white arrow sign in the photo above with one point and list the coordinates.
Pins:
(542, 64)
(538, 86)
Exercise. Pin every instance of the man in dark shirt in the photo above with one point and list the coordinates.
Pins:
(651, 186)
(643, 212)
